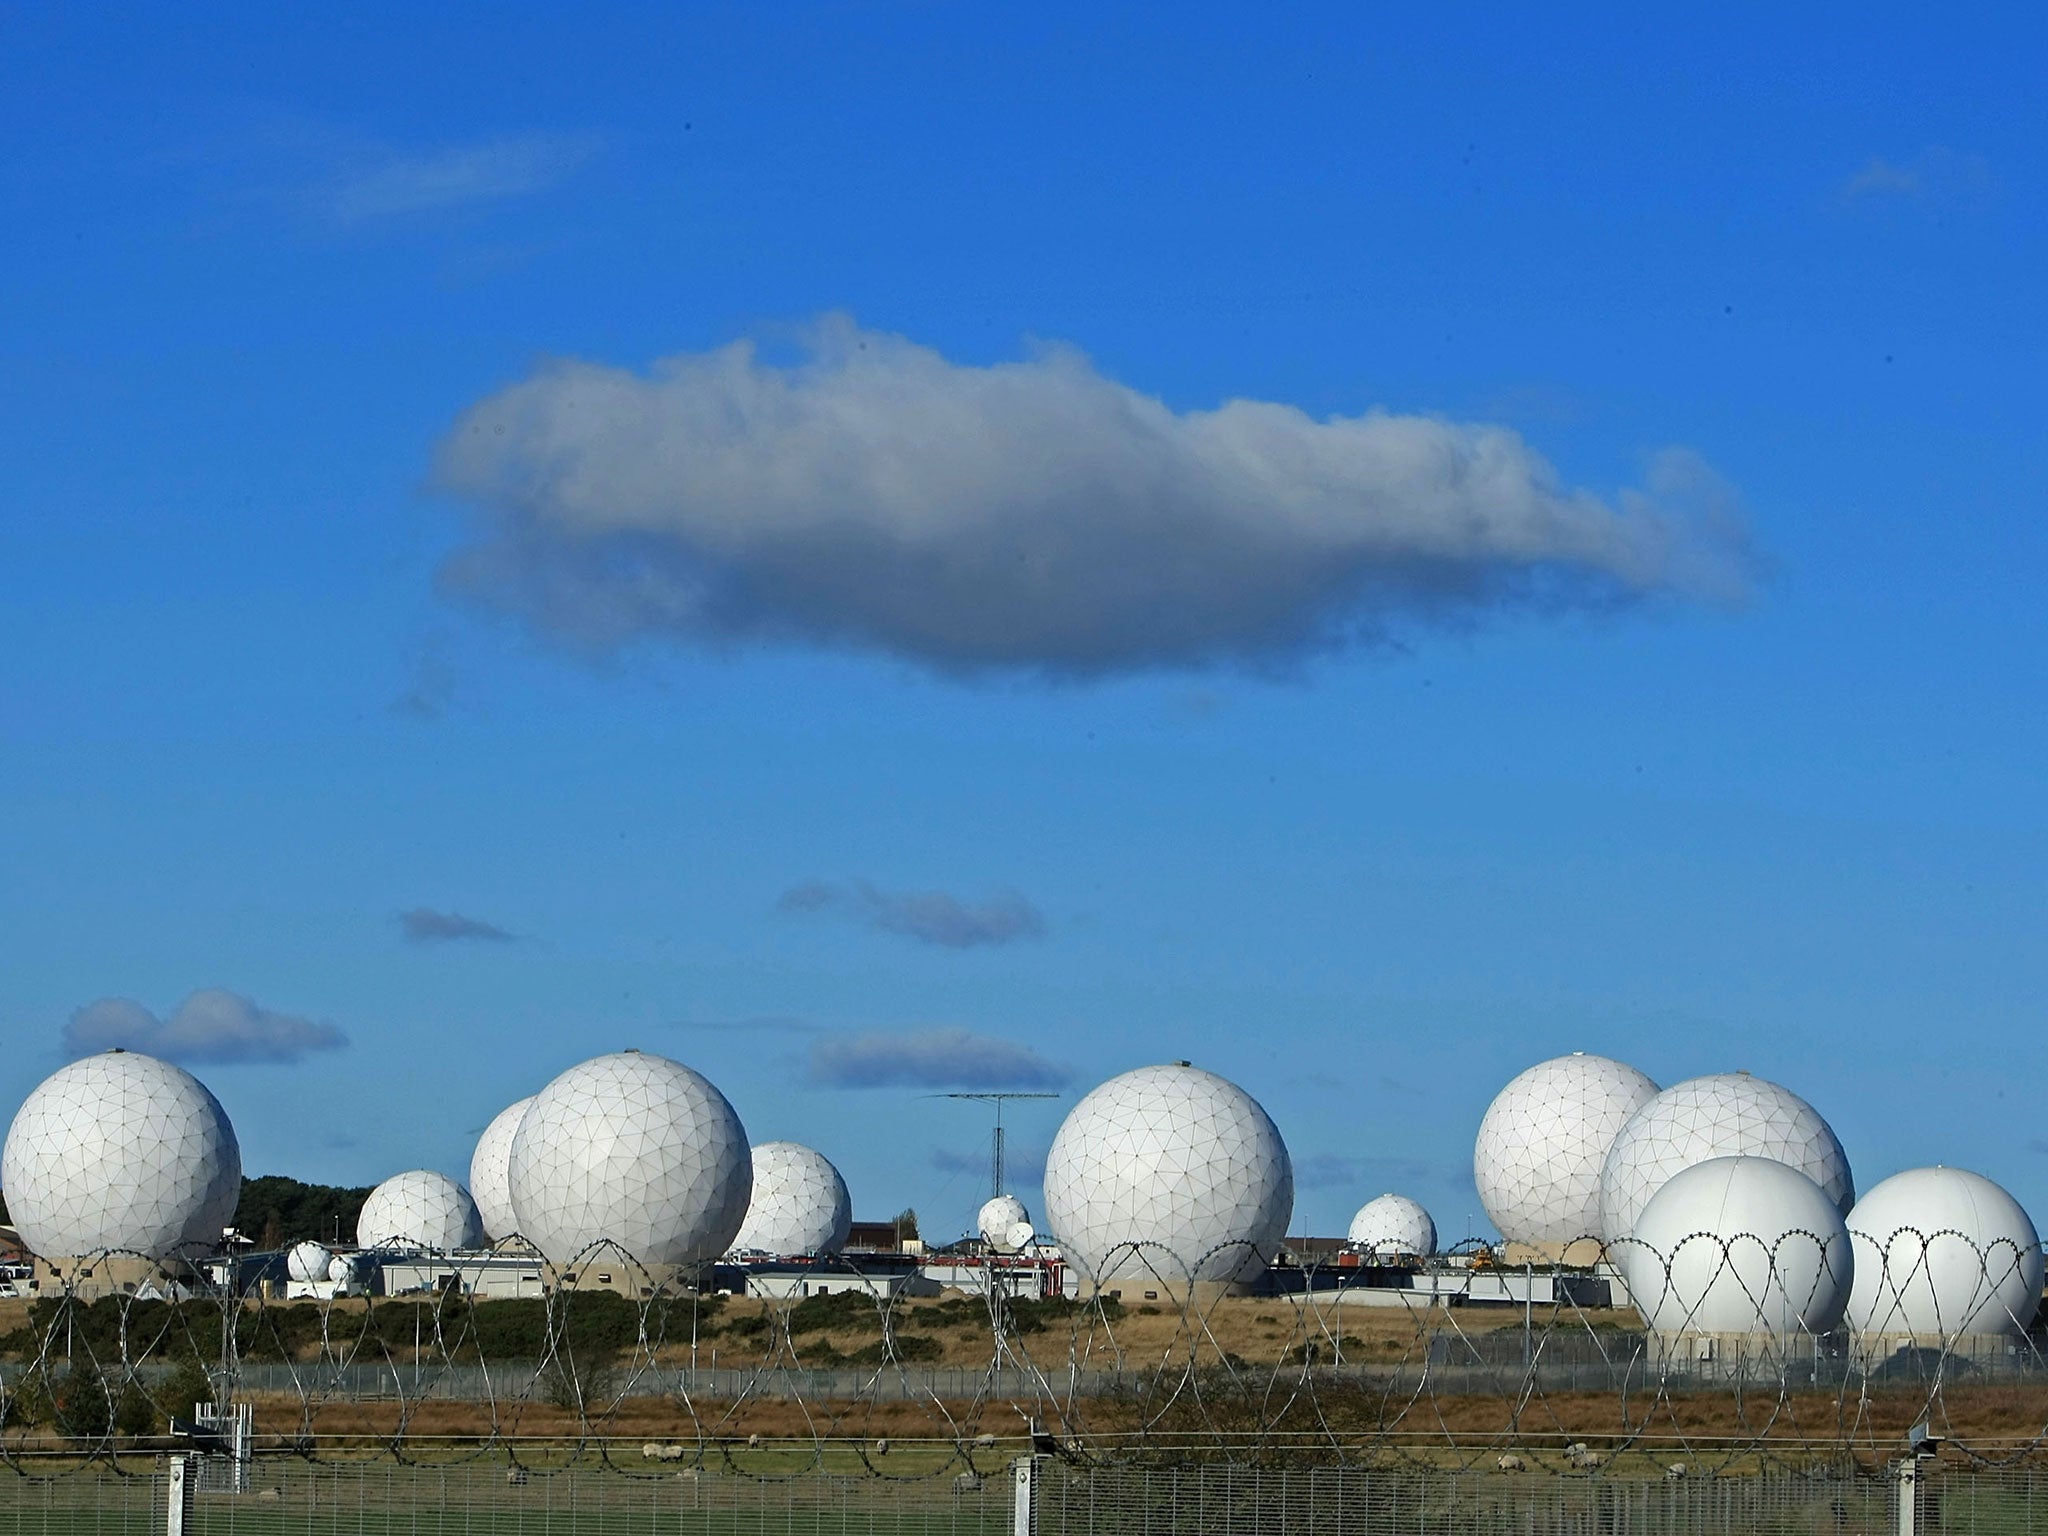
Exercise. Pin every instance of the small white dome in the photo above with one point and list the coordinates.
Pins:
(419, 1209)
(1942, 1252)
(1739, 1245)
(308, 1261)
(1392, 1227)
(995, 1218)
(800, 1204)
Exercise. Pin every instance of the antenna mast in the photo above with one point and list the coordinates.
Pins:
(996, 1160)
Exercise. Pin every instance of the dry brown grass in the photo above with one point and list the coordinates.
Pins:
(1258, 1330)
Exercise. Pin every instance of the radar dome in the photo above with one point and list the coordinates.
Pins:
(799, 1205)
(1942, 1252)
(1170, 1173)
(422, 1210)
(1392, 1227)
(634, 1150)
(1740, 1245)
(490, 1172)
(995, 1218)
(1730, 1114)
(121, 1152)
(308, 1261)
(1541, 1146)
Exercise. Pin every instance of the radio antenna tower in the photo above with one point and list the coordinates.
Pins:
(996, 1159)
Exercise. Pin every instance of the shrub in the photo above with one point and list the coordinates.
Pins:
(898, 1347)
(577, 1383)
(85, 1407)
(25, 1401)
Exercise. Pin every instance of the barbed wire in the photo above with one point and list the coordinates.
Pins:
(854, 1364)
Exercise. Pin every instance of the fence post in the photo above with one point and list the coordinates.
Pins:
(1024, 1496)
(1908, 1494)
(179, 1504)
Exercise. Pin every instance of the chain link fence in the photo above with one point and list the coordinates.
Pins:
(1053, 1498)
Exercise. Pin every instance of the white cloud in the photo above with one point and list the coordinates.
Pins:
(1030, 516)
(457, 175)
(212, 1024)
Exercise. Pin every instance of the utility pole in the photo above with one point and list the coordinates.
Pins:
(996, 1161)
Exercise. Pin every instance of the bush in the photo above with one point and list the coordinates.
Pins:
(898, 1347)
(834, 1310)
(135, 1413)
(85, 1406)
(25, 1401)
(578, 1383)
(187, 1385)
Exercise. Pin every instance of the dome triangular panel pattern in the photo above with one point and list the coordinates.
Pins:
(634, 1150)
(121, 1152)
(1171, 1172)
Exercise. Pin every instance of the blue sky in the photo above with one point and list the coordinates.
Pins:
(816, 787)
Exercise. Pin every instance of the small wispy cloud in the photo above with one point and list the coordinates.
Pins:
(930, 917)
(930, 1058)
(1322, 1082)
(1937, 174)
(424, 925)
(431, 692)
(212, 1025)
(457, 175)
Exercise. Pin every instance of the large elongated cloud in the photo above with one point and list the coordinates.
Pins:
(1031, 516)
(213, 1024)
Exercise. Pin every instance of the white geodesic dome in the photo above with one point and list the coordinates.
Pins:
(1942, 1252)
(1169, 1173)
(1543, 1141)
(121, 1151)
(800, 1203)
(308, 1261)
(420, 1209)
(490, 1172)
(635, 1150)
(1392, 1227)
(996, 1217)
(1729, 1114)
